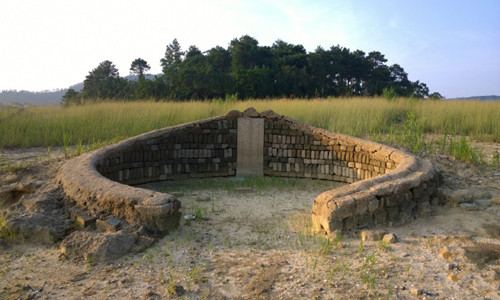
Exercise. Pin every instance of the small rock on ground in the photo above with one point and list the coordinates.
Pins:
(483, 203)
(445, 253)
(111, 224)
(460, 196)
(451, 267)
(97, 246)
(469, 206)
(390, 238)
(372, 235)
(416, 292)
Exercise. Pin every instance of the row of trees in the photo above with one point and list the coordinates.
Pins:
(246, 70)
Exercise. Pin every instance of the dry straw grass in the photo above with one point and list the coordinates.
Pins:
(109, 121)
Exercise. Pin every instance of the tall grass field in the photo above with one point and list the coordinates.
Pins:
(361, 117)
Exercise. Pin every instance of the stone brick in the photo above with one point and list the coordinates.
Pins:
(380, 215)
(392, 213)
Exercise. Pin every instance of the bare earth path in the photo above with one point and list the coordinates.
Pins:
(254, 242)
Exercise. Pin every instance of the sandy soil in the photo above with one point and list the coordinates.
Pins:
(254, 242)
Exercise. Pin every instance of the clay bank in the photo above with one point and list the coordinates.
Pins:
(387, 185)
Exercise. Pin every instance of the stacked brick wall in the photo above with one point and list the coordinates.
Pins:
(208, 149)
(197, 150)
(387, 184)
(291, 151)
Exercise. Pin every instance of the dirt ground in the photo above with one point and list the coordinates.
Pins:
(252, 240)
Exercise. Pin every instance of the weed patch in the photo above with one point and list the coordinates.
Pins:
(5, 231)
(463, 151)
(368, 272)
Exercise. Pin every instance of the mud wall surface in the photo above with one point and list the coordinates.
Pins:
(387, 185)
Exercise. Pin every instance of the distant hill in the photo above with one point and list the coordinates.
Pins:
(480, 98)
(8, 97)
(31, 98)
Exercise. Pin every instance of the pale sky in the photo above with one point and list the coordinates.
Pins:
(452, 46)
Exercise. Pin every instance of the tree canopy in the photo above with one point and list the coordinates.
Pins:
(138, 67)
(247, 70)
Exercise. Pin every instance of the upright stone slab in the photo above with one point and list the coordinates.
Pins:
(250, 157)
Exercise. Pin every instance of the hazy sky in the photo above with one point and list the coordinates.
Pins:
(453, 46)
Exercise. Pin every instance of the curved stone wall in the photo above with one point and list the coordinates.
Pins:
(387, 185)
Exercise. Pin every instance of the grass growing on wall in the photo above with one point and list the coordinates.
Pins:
(362, 117)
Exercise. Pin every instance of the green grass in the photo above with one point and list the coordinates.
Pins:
(109, 121)
(5, 231)
(496, 159)
(463, 150)
(233, 184)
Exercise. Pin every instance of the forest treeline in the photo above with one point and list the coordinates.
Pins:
(246, 70)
